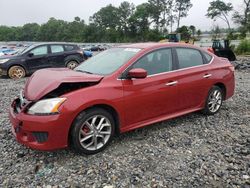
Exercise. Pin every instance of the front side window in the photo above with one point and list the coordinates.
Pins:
(108, 61)
(56, 48)
(156, 62)
(41, 50)
(189, 57)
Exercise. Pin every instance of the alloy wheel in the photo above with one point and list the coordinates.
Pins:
(215, 101)
(95, 132)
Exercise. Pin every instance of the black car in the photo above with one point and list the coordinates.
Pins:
(39, 56)
(97, 48)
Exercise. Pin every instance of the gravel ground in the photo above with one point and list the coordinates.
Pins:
(190, 151)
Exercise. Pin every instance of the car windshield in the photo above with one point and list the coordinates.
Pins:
(108, 61)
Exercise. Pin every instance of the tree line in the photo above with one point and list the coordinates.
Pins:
(150, 21)
(219, 9)
(125, 23)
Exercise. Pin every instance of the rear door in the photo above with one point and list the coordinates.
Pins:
(57, 55)
(194, 78)
(37, 58)
(153, 96)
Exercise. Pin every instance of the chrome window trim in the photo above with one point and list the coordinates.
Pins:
(183, 68)
(161, 48)
(175, 70)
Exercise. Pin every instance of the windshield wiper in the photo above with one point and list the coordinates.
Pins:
(84, 71)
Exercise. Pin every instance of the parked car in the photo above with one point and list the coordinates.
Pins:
(95, 48)
(118, 90)
(87, 54)
(7, 51)
(86, 48)
(41, 56)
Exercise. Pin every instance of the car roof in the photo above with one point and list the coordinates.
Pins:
(150, 45)
(51, 43)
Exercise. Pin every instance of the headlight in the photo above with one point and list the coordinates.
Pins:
(46, 106)
(3, 61)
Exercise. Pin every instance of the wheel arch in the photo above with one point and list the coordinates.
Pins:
(106, 107)
(71, 58)
(223, 87)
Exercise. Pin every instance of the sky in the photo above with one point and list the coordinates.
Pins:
(20, 12)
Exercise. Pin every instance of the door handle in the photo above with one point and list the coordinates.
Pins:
(172, 83)
(207, 75)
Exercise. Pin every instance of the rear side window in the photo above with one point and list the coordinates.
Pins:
(207, 56)
(69, 47)
(156, 62)
(189, 57)
(56, 48)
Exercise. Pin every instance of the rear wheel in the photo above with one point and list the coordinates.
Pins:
(214, 101)
(16, 72)
(92, 131)
(72, 64)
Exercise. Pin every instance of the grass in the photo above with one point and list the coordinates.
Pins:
(243, 48)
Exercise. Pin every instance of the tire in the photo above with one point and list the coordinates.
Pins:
(92, 131)
(72, 64)
(16, 72)
(214, 101)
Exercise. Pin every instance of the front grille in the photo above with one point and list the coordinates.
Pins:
(40, 136)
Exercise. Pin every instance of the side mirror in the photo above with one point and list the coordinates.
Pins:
(30, 54)
(137, 73)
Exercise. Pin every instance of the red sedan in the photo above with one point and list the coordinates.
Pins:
(118, 90)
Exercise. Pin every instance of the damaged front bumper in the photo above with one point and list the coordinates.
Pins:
(39, 132)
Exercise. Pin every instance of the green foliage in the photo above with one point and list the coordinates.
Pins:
(106, 17)
(233, 36)
(182, 7)
(243, 48)
(219, 9)
(216, 33)
(125, 23)
(185, 33)
(243, 18)
(193, 29)
(198, 32)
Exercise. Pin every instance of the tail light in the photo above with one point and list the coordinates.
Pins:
(80, 52)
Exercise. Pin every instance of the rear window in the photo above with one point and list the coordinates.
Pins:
(69, 47)
(189, 57)
(207, 56)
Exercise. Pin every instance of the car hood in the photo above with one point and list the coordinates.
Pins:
(46, 80)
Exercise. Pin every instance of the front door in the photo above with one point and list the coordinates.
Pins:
(37, 58)
(155, 95)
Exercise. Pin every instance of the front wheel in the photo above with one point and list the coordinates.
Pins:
(214, 101)
(92, 131)
(16, 72)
